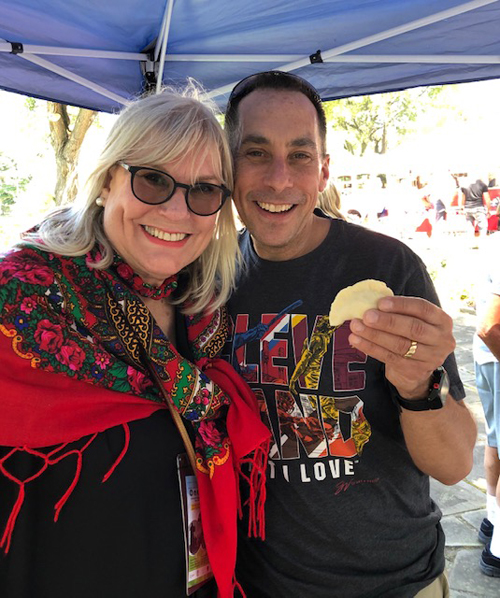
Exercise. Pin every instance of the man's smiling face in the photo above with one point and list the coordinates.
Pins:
(280, 170)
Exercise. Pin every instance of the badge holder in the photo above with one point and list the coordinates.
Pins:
(197, 564)
(198, 569)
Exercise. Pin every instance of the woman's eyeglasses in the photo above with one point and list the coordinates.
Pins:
(154, 187)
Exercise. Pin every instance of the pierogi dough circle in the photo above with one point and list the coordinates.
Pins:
(353, 301)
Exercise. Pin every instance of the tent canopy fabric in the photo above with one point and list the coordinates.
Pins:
(100, 54)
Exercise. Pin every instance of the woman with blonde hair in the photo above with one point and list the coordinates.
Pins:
(329, 202)
(110, 324)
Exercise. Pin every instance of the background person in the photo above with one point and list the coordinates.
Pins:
(441, 187)
(330, 203)
(486, 349)
(348, 509)
(476, 204)
(83, 299)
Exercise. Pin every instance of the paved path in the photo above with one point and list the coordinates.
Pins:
(464, 504)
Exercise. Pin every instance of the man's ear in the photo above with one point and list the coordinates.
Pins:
(324, 173)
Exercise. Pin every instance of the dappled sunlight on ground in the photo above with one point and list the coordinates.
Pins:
(453, 263)
(451, 254)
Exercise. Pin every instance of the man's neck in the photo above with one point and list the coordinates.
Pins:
(313, 237)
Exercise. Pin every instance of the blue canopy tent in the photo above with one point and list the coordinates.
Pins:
(100, 54)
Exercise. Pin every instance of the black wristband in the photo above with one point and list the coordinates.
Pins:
(438, 391)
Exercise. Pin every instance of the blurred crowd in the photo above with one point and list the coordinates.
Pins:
(431, 204)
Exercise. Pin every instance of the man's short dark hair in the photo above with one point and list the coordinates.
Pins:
(271, 80)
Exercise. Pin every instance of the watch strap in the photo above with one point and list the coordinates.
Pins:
(438, 390)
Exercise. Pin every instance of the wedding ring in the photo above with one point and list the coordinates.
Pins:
(411, 351)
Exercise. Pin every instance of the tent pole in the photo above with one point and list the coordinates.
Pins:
(159, 39)
(371, 39)
(356, 58)
(417, 58)
(75, 78)
(166, 31)
(383, 35)
(353, 58)
(51, 51)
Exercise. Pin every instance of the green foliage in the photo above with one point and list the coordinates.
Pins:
(10, 184)
(30, 104)
(371, 121)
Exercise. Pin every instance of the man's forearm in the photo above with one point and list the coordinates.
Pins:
(441, 442)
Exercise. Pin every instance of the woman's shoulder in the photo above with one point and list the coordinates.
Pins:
(24, 272)
(31, 271)
(27, 265)
(35, 265)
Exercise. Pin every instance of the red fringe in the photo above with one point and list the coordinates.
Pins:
(79, 453)
(11, 522)
(238, 587)
(257, 484)
(256, 479)
(50, 459)
(118, 460)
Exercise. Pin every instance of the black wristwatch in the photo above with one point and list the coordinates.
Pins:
(438, 391)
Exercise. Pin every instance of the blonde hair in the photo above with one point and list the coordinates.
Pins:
(329, 202)
(154, 130)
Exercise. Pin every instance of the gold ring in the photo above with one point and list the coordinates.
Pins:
(412, 350)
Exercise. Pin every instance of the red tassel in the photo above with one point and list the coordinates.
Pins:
(11, 522)
(257, 484)
(238, 587)
(118, 460)
(238, 490)
(50, 459)
(79, 453)
(9, 528)
(62, 501)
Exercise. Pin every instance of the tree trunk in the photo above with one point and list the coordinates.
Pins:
(384, 139)
(66, 142)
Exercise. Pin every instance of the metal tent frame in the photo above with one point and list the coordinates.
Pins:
(157, 62)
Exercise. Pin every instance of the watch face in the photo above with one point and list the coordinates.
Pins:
(445, 385)
(440, 386)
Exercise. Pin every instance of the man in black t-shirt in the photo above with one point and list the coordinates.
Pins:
(476, 204)
(360, 413)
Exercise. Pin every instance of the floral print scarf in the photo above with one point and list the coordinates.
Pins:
(70, 367)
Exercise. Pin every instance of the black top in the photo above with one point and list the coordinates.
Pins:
(121, 539)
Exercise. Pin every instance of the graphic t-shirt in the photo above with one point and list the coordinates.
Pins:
(348, 514)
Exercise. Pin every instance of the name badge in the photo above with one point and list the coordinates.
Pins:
(197, 565)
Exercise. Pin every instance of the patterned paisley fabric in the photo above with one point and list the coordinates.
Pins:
(61, 316)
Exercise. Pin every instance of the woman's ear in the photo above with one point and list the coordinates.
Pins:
(106, 188)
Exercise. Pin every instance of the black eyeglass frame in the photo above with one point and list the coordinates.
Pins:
(187, 188)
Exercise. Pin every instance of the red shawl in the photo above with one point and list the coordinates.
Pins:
(70, 368)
